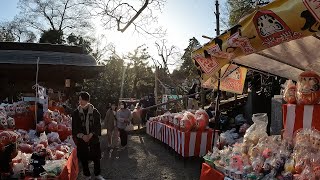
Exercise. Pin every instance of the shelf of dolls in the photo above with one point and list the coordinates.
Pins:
(297, 117)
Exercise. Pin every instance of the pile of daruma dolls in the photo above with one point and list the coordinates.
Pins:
(185, 121)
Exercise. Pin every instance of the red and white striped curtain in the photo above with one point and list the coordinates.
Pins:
(187, 144)
(296, 117)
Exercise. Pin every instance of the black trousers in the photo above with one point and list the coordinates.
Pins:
(123, 137)
(89, 152)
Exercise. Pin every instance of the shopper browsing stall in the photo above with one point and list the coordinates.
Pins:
(123, 119)
(111, 122)
(86, 127)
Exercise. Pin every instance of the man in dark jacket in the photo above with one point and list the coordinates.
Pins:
(86, 128)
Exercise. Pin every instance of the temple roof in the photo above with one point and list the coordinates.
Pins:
(28, 53)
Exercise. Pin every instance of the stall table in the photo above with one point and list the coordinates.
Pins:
(209, 173)
(187, 144)
(70, 170)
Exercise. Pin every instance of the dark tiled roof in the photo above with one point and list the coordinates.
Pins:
(46, 57)
(40, 47)
(28, 53)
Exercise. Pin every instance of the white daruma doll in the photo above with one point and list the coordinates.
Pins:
(308, 89)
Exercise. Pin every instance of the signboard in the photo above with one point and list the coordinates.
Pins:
(278, 22)
(233, 80)
(44, 101)
(166, 98)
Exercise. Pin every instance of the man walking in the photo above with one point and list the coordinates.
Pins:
(86, 129)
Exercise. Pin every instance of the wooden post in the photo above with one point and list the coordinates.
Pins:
(217, 111)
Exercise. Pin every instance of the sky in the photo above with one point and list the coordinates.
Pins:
(183, 19)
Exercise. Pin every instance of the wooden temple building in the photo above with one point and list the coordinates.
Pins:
(60, 68)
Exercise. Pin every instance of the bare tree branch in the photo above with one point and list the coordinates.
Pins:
(63, 14)
(167, 55)
(122, 14)
(66, 15)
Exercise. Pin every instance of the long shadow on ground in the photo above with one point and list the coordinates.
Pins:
(146, 159)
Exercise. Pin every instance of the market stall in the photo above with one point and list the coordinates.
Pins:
(279, 39)
(186, 133)
(46, 152)
(35, 122)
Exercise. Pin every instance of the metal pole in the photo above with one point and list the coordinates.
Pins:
(217, 112)
(37, 88)
(156, 85)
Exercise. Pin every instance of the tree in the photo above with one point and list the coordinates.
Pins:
(52, 36)
(106, 87)
(138, 80)
(13, 31)
(240, 8)
(168, 55)
(140, 74)
(56, 15)
(85, 42)
(187, 72)
(188, 68)
(122, 14)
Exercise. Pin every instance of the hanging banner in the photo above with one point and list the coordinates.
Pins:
(232, 81)
(278, 22)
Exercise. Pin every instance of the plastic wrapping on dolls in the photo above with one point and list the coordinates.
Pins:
(54, 167)
(289, 165)
(70, 141)
(228, 137)
(176, 120)
(215, 155)
(302, 163)
(257, 165)
(306, 174)
(225, 156)
(254, 153)
(236, 163)
(258, 129)
(53, 137)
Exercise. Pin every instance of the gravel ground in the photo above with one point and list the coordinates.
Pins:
(145, 159)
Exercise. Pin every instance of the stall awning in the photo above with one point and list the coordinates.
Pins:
(288, 59)
(279, 38)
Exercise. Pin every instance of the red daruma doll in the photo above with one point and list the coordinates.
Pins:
(289, 94)
(185, 124)
(202, 120)
(308, 89)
